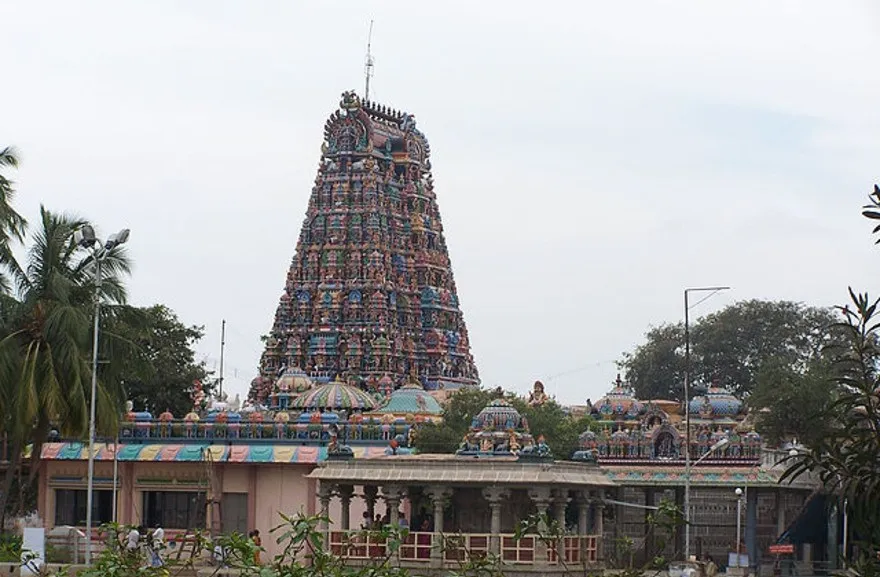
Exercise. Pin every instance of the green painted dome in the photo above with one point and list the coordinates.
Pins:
(411, 399)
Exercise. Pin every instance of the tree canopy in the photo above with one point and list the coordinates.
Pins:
(730, 348)
(163, 378)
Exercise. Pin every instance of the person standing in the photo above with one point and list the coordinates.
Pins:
(258, 543)
(132, 540)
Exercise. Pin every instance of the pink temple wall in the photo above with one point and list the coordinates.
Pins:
(271, 488)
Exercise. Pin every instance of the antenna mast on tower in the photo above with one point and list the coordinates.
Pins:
(368, 65)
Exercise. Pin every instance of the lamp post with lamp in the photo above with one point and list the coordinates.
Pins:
(687, 413)
(85, 237)
(739, 502)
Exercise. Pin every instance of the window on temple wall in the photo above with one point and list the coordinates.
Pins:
(174, 509)
(70, 507)
(233, 513)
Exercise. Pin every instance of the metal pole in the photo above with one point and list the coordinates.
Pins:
(115, 474)
(91, 470)
(739, 502)
(687, 415)
(845, 528)
(222, 349)
(687, 427)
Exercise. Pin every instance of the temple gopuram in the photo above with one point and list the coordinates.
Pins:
(370, 293)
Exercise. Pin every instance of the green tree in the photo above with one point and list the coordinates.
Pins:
(459, 411)
(790, 404)
(166, 368)
(12, 224)
(729, 347)
(656, 367)
(560, 430)
(45, 373)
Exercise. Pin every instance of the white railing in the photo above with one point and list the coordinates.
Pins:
(455, 548)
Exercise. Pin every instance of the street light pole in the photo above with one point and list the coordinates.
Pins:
(739, 502)
(687, 415)
(92, 403)
(85, 237)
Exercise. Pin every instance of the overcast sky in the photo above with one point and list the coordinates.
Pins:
(591, 159)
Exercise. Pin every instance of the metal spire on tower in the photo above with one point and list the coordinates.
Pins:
(368, 65)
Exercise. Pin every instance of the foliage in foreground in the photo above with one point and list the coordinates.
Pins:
(846, 457)
(303, 553)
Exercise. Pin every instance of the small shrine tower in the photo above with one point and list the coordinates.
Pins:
(370, 293)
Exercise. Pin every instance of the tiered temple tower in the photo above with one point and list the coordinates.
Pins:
(370, 293)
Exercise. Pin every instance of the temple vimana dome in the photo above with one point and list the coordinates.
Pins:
(370, 297)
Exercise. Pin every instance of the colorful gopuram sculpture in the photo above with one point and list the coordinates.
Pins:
(370, 296)
(629, 429)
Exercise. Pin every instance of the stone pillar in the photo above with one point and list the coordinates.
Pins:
(679, 531)
(370, 494)
(495, 496)
(439, 495)
(619, 524)
(541, 497)
(751, 532)
(599, 525)
(325, 490)
(649, 535)
(560, 502)
(583, 503)
(346, 492)
(780, 513)
(392, 495)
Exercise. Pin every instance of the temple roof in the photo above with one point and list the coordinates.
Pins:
(451, 470)
(168, 452)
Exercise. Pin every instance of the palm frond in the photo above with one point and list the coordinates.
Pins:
(9, 157)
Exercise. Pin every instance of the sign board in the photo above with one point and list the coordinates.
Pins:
(781, 549)
(33, 550)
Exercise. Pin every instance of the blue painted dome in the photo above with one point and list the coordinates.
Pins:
(717, 402)
(619, 403)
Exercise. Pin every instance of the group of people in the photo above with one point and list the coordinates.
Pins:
(152, 543)
(369, 523)
(381, 521)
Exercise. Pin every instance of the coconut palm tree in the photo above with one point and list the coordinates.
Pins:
(46, 330)
(12, 224)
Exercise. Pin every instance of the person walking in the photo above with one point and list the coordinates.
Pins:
(155, 545)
